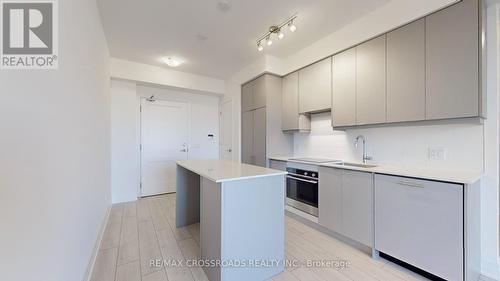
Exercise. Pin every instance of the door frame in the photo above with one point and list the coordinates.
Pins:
(141, 101)
(221, 131)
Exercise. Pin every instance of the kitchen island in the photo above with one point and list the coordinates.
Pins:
(240, 209)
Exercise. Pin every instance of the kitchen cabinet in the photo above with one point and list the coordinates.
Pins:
(330, 198)
(406, 73)
(247, 97)
(291, 120)
(259, 92)
(357, 212)
(345, 203)
(344, 88)
(253, 94)
(371, 82)
(247, 137)
(253, 137)
(277, 164)
(261, 123)
(259, 137)
(452, 62)
(315, 87)
(421, 223)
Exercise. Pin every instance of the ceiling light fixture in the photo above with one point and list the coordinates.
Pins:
(278, 30)
(172, 62)
(292, 26)
(281, 34)
(269, 41)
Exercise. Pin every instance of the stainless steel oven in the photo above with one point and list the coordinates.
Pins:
(302, 190)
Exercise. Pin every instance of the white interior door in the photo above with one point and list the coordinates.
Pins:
(164, 140)
(226, 127)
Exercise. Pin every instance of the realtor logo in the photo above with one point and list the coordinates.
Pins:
(29, 34)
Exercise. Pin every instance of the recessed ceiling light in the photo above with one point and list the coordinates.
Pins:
(201, 37)
(172, 62)
(223, 6)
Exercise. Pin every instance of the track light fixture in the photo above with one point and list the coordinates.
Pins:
(278, 30)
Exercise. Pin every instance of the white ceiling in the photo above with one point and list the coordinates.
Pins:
(218, 43)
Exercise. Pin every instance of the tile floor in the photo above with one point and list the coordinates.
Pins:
(140, 231)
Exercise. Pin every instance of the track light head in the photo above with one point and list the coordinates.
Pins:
(292, 26)
(269, 41)
(280, 34)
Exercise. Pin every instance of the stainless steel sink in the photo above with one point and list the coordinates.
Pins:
(361, 165)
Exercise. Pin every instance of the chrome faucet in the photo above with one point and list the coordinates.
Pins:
(356, 141)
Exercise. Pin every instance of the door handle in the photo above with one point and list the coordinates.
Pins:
(183, 150)
(229, 150)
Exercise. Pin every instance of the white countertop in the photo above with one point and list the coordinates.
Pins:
(225, 170)
(462, 177)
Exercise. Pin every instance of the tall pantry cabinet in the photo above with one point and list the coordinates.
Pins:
(261, 121)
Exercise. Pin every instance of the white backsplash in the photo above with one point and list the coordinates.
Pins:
(462, 142)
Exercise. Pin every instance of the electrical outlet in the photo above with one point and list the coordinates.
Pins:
(437, 153)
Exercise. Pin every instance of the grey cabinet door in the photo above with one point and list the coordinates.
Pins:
(247, 97)
(330, 198)
(315, 87)
(259, 92)
(290, 102)
(259, 137)
(247, 137)
(370, 82)
(344, 88)
(421, 222)
(406, 73)
(277, 164)
(452, 59)
(357, 215)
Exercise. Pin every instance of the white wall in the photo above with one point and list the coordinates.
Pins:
(125, 168)
(125, 126)
(404, 145)
(133, 71)
(490, 187)
(54, 155)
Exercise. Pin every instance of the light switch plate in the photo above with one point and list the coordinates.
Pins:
(437, 153)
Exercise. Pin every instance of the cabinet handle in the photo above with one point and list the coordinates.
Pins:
(411, 184)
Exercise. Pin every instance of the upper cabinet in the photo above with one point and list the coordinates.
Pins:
(371, 82)
(430, 69)
(344, 88)
(247, 97)
(452, 62)
(253, 94)
(259, 92)
(406, 73)
(291, 120)
(315, 87)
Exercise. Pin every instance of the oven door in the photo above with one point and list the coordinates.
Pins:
(302, 193)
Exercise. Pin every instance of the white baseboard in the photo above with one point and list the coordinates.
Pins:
(90, 267)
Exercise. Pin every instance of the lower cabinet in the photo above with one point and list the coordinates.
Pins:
(345, 203)
(277, 165)
(253, 137)
(421, 223)
(330, 198)
(357, 209)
